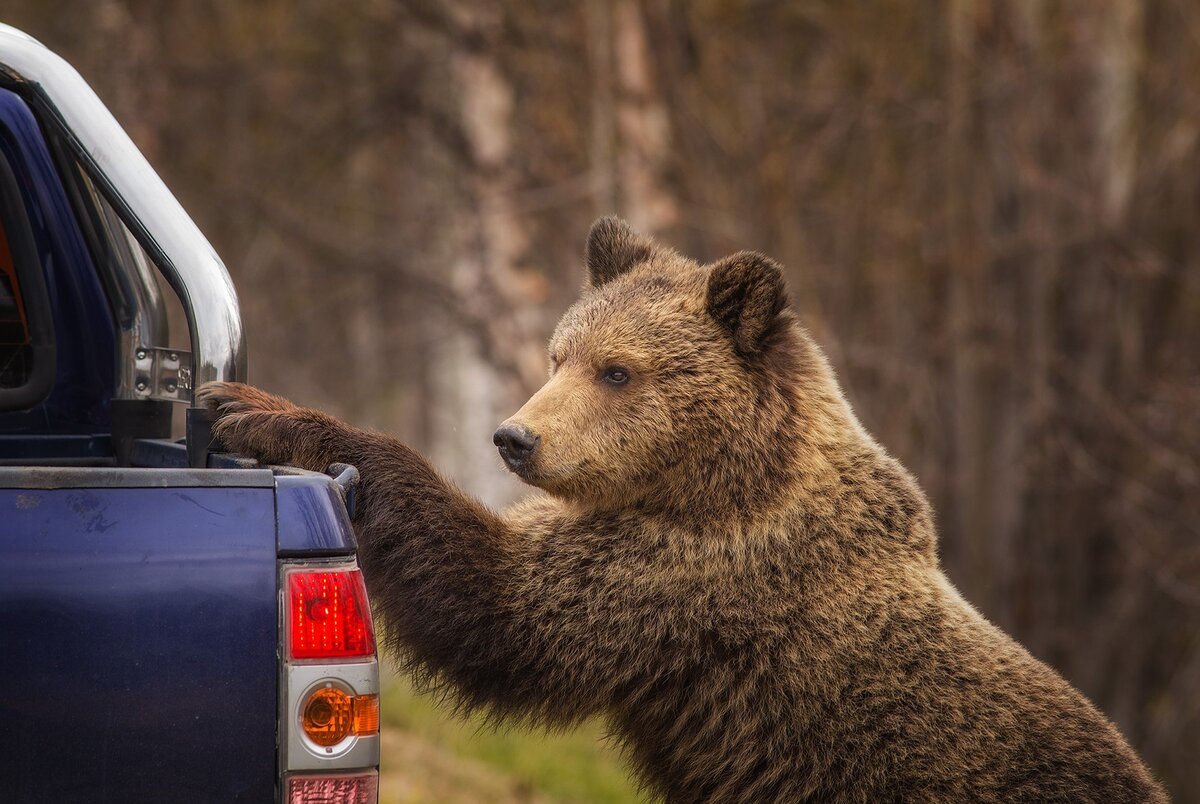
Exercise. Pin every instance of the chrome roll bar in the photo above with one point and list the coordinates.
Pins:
(191, 267)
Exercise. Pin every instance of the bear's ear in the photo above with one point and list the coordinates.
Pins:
(612, 249)
(746, 296)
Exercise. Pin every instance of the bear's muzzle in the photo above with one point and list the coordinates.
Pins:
(516, 444)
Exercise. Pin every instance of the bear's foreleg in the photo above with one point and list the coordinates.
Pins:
(446, 574)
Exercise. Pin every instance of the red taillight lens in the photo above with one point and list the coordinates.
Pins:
(329, 615)
(361, 788)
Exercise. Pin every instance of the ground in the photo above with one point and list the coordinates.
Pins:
(428, 756)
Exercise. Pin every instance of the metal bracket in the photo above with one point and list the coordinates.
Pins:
(164, 374)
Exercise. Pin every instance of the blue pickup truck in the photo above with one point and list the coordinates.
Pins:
(176, 624)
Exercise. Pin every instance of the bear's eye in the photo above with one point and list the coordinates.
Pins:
(615, 375)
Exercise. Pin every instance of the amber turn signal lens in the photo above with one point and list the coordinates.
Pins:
(330, 716)
(327, 716)
(366, 714)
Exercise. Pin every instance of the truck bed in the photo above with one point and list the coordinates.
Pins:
(138, 608)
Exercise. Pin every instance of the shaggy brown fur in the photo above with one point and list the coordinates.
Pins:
(725, 564)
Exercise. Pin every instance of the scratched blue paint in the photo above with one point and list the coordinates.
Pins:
(138, 632)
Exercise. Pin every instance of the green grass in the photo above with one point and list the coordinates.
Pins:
(431, 755)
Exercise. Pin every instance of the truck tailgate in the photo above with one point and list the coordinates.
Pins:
(138, 624)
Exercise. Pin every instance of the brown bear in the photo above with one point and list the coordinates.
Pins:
(724, 564)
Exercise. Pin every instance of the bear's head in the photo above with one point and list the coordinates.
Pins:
(672, 383)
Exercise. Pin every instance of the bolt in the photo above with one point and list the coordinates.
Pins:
(141, 354)
(171, 386)
(141, 386)
(174, 357)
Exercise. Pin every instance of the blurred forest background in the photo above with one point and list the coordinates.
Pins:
(989, 212)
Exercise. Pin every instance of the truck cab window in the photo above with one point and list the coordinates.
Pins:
(15, 345)
(26, 331)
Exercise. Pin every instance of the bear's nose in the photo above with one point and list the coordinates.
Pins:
(516, 443)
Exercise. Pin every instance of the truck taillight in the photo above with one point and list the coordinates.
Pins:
(359, 788)
(329, 684)
(328, 615)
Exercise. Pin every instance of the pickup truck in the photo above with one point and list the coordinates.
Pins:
(176, 624)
